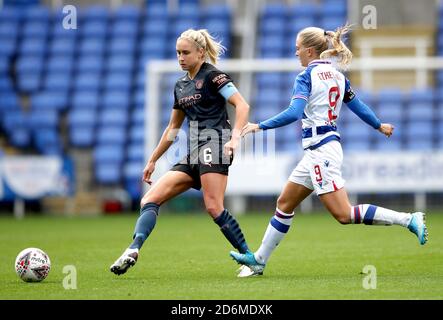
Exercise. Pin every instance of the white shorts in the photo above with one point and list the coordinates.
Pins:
(320, 169)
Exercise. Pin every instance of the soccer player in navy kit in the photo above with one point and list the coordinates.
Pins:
(200, 96)
(318, 94)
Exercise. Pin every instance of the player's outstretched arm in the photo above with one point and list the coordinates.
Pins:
(168, 137)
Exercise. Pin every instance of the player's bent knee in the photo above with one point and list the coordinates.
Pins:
(214, 210)
(284, 205)
(343, 219)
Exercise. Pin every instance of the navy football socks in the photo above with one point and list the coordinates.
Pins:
(231, 230)
(145, 224)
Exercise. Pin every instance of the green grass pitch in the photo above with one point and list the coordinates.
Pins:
(187, 257)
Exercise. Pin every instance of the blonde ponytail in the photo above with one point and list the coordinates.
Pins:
(203, 39)
(339, 49)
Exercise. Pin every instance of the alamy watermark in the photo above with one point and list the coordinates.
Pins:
(369, 19)
(70, 20)
(70, 280)
(370, 278)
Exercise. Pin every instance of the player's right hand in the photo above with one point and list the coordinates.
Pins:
(250, 127)
(387, 129)
(147, 172)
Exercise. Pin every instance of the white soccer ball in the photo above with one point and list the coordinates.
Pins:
(32, 265)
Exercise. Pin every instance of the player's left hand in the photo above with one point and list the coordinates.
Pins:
(250, 127)
(387, 129)
(230, 147)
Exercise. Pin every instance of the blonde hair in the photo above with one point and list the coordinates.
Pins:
(328, 44)
(202, 39)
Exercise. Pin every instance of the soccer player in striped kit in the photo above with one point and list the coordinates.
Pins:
(318, 94)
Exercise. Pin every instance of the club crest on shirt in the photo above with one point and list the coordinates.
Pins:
(198, 84)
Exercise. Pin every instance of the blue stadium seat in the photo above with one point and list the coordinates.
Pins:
(62, 46)
(30, 64)
(120, 63)
(154, 46)
(6, 86)
(127, 12)
(85, 99)
(419, 135)
(335, 8)
(267, 98)
(95, 29)
(118, 80)
(58, 81)
(278, 10)
(266, 80)
(14, 119)
(37, 13)
(272, 25)
(439, 130)
(108, 173)
(357, 129)
(57, 100)
(122, 45)
(394, 95)
(60, 63)
(421, 95)
(94, 13)
(420, 111)
(8, 46)
(116, 99)
(11, 14)
(20, 137)
(8, 30)
(92, 46)
(157, 11)
(113, 153)
(82, 136)
(59, 32)
(111, 134)
(331, 23)
(82, 117)
(273, 44)
(33, 46)
(189, 11)
(39, 29)
(139, 99)
(133, 170)
(217, 11)
(137, 134)
(113, 117)
(439, 112)
(47, 141)
(138, 116)
(90, 63)
(124, 29)
(88, 81)
(29, 82)
(390, 112)
(136, 153)
(155, 27)
(45, 118)
(181, 25)
(8, 101)
(303, 10)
